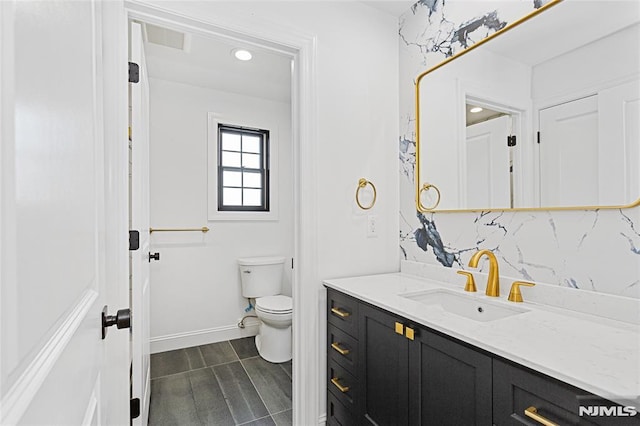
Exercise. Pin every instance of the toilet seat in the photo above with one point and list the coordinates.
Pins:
(278, 304)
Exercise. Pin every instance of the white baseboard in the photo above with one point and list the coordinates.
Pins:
(201, 337)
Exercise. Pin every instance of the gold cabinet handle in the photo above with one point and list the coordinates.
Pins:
(515, 295)
(532, 412)
(340, 313)
(400, 328)
(340, 350)
(337, 384)
(409, 333)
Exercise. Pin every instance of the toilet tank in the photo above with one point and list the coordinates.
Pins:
(261, 276)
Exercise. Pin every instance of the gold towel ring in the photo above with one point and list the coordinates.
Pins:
(426, 187)
(361, 184)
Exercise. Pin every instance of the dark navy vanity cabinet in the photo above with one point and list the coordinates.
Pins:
(385, 370)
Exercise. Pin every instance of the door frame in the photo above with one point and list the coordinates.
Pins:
(301, 48)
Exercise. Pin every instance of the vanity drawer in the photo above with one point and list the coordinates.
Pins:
(342, 311)
(338, 414)
(342, 384)
(342, 348)
(515, 389)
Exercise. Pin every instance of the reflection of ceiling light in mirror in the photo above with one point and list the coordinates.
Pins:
(241, 54)
(475, 109)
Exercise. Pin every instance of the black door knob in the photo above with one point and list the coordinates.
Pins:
(122, 319)
(154, 256)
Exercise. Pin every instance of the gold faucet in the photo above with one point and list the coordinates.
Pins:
(493, 283)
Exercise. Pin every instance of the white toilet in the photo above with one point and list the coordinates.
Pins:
(261, 279)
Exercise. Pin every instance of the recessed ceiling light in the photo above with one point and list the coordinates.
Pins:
(475, 109)
(242, 55)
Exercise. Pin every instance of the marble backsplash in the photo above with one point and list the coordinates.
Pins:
(597, 250)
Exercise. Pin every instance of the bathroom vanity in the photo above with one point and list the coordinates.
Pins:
(406, 350)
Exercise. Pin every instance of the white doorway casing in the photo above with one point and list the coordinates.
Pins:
(139, 220)
(302, 48)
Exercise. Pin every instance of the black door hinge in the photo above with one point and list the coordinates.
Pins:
(511, 140)
(134, 72)
(538, 137)
(134, 408)
(134, 240)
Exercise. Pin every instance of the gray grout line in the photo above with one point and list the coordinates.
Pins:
(234, 350)
(226, 401)
(255, 420)
(195, 369)
(201, 356)
(286, 371)
(255, 387)
(283, 411)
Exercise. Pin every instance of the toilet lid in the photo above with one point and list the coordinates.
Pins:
(274, 304)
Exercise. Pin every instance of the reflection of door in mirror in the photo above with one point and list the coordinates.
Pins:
(487, 158)
(569, 153)
(589, 149)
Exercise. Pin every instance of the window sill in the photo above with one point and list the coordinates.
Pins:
(216, 216)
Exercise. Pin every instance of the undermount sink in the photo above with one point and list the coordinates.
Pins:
(464, 305)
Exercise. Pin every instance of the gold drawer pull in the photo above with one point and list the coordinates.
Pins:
(341, 388)
(532, 412)
(340, 313)
(340, 350)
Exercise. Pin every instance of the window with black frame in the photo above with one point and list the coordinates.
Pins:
(243, 169)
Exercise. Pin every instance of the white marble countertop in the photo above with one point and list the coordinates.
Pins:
(599, 355)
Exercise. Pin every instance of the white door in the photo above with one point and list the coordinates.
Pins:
(619, 153)
(569, 154)
(56, 224)
(140, 221)
(487, 169)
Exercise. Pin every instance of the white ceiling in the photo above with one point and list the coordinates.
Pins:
(564, 27)
(208, 62)
(395, 8)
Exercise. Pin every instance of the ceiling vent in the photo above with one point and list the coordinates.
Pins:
(166, 37)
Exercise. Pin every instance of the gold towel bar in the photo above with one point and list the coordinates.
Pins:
(361, 184)
(203, 229)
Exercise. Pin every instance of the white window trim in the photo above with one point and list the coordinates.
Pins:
(213, 214)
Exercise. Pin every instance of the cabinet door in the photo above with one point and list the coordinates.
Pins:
(382, 369)
(450, 384)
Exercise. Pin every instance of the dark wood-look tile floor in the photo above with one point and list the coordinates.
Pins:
(220, 384)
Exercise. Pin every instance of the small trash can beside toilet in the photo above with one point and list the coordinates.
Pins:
(261, 279)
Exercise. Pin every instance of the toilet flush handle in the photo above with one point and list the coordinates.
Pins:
(246, 271)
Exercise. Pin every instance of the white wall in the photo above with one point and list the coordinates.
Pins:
(196, 296)
(580, 72)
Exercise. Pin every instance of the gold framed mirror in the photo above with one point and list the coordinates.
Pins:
(544, 114)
